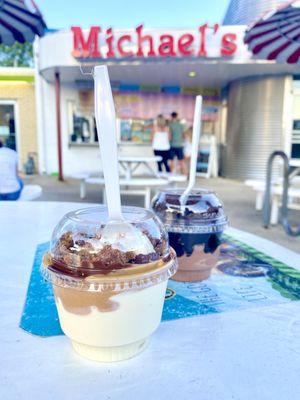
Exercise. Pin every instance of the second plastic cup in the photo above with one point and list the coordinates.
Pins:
(194, 229)
(109, 299)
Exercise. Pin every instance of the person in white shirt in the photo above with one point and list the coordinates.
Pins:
(10, 183)
(161, 142)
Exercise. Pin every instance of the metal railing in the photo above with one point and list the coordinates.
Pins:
(289, 229)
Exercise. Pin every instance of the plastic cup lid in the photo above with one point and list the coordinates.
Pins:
(82, 257)
(202, 213)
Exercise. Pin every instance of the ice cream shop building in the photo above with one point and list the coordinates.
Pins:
(251, 107)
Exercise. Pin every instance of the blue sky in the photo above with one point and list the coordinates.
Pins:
(153, 13)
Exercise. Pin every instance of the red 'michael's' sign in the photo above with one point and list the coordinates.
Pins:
(105, 44)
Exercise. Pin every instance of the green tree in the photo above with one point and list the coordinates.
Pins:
(17, 55)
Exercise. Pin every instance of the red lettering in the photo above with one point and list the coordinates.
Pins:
(184, 42)
(228, 46)
(141, 39)
(86, 48)
(109, 42)
(87, 44)
(166, 47)
(216, 28)
(202, 49)
(121, 40)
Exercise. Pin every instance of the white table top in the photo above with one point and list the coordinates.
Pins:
(140, 182)
(173, 177)
(139, 159)
(294, 162)
(242, 355)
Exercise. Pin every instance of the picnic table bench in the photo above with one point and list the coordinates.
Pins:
(134, 186)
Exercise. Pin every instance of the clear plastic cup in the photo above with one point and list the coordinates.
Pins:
(194, 230)
(109, 297)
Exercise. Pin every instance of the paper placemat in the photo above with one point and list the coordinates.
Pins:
(243, 278)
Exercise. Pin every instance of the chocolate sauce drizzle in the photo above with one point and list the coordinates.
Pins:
(78, 258)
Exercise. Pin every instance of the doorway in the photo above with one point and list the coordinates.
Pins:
(8, 124)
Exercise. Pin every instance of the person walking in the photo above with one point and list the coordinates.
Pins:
(161, 142)
(10, 183)
(177, 143)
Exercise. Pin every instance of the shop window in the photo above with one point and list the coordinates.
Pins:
(8, 125)
(82, 126)
(295, 150)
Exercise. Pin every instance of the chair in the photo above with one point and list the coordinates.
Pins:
(30, 192)
(276, 193)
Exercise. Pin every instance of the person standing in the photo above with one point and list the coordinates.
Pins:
(177, 143)
(10, 183)
(161, 142)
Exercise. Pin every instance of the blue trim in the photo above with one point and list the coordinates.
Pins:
(51, 30)
(129, 88)
(170, 89)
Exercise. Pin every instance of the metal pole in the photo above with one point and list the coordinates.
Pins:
(267, 199)
(58, 125)
(290, 230)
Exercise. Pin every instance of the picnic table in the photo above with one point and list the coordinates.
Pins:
(277, 190)
(295, 163)
(129, 164)
(134, 187)
(243, 354)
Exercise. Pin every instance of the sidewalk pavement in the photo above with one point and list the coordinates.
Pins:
(239, 201)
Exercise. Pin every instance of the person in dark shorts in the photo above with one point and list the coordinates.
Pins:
(177, 143)
(161, 142)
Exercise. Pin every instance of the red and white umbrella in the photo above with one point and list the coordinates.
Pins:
(276, 36)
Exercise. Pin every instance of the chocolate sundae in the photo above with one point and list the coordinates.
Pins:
(194, 228)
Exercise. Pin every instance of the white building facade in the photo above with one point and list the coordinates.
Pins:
(248, 104)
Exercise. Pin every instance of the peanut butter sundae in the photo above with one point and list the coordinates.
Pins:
(109, 298)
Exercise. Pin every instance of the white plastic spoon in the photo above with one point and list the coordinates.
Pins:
(195, 146)
(117, 232)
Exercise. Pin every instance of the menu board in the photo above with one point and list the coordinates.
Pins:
(150, 105)
(136, 130)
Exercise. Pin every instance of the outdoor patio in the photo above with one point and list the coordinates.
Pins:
(164, 293)
(239, 203)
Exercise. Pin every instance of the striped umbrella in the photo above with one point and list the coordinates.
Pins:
(276, 36)
(19, 21)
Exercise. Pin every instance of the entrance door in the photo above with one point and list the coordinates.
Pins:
(8, 124)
